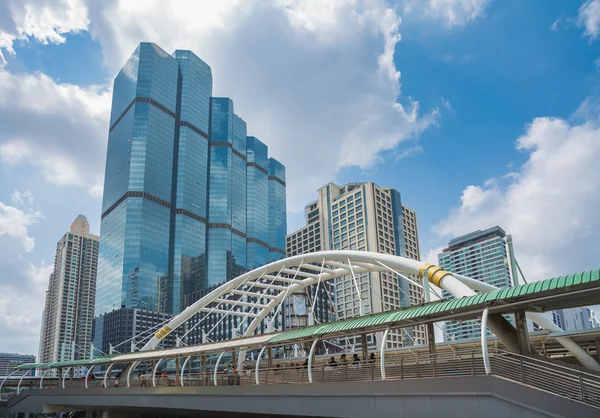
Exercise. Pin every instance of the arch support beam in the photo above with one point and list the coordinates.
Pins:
(216, 371)
(484, 345)
(256, 377)
(183, 369)
(382, 353)
(311, 356)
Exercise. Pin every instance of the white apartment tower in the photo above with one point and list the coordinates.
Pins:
(364, 217)
(69, 309)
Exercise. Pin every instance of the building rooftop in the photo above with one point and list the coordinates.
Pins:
(474, 237)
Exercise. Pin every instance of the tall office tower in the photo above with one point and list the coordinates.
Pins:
(186, 200)
(362, 216)
(69, 308)
(481, 255)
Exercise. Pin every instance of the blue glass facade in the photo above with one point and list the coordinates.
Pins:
(187, 195)
(277, 210)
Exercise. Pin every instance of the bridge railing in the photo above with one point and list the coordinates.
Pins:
(555, 378)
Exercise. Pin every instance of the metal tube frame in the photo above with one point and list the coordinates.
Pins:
(6, 378)
(382, 353)
(42, 379)
(183, 369)
(86, 376)
(65, 375)
(256, 378)
(133, 366)
(154, 372)
(484, 345)
(106, 374)
(217, 368)
(310, 359)
(21, 380)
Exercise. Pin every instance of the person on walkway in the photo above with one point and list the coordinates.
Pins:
(143, 381)
(356, 361)
(343, 360)
(332, 362)
(372, 358)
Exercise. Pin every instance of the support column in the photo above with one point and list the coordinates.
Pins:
(270, 359)
(177, 371)
(204, 382)
(431, 338)
(365, 348)
(234, 358)
(522, 333)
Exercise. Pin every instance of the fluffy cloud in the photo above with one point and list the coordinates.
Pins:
(44, 20)
(22, 292)
(451, 12)
(589, 18)
(550, 205)
(64, 135)
(22, 283)
(14, 221)
(315, 80)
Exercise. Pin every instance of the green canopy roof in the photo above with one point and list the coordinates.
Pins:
(404, 316)
(85, 362)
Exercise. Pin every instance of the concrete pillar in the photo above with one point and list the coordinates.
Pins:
(234, 357)
(177, 371)
(431, 338)
(270, 358)
(365, 348)
(522, 333)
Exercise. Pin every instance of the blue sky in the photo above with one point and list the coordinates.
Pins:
(479, 112)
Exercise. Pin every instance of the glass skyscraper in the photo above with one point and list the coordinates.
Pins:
(189, 200)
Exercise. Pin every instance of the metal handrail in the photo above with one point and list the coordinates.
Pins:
(547, 363)
(557, 379)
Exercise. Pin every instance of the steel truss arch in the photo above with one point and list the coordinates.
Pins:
(275, 281)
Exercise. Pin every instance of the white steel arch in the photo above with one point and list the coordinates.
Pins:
(269, 285)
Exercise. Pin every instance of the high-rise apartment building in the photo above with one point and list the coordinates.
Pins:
(480, 255)
(362, 216)
(69, 308)
(190, 201)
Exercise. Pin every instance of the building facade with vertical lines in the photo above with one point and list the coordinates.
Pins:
(187, 194)
(362, 217)
(69, 308)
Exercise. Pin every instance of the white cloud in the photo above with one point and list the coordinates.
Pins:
(47, 21)
(550, 206)
(64, 135)
(555, 25)
(453, 13)
(21, 304)
(14, 221)
(314, 80)
(589, 18)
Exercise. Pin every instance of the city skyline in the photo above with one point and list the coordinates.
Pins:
(334, 92)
